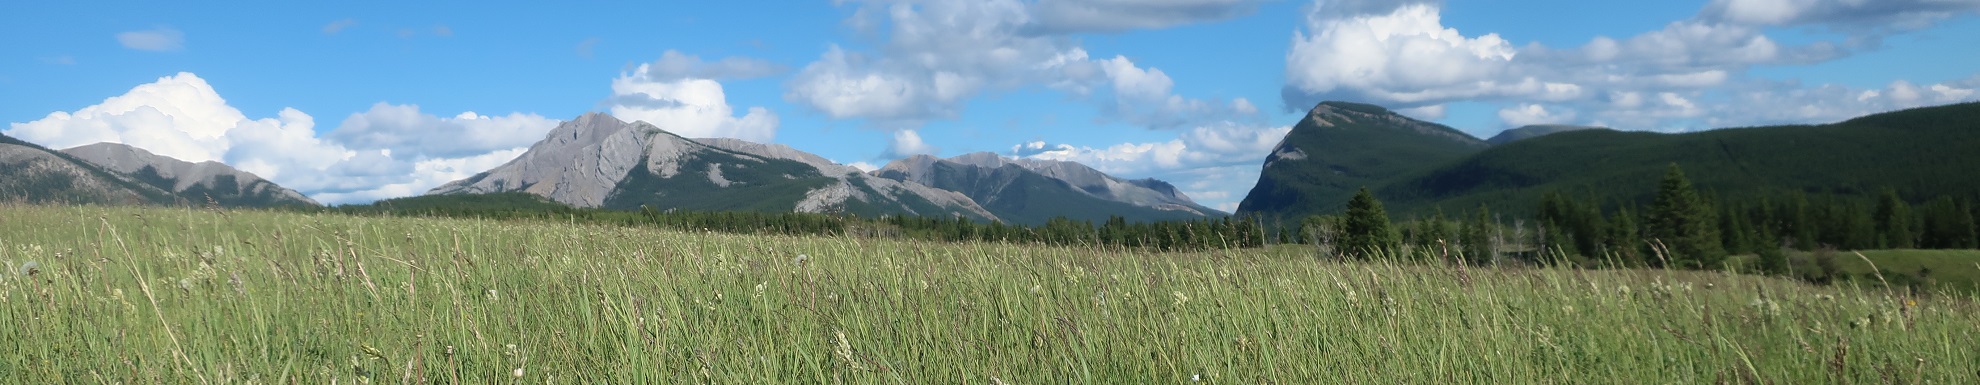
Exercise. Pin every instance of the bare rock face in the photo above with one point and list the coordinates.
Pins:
(591, 161)
(580, 162)
(211, 179)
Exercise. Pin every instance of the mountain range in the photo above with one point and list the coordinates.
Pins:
(203, 181)
(1418, 168)
(598, 161)
(108, 173)
(1032, 191)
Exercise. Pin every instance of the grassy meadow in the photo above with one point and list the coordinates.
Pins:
(155, 295)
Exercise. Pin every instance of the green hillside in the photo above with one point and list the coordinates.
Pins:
(1341, 147)
(1921, 153)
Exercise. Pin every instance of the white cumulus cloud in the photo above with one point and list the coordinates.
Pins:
(1531, 114)
(908, 142)
(1404, 57)
(388, 151)
(678, 95)
(1682, 76)
(931, 58)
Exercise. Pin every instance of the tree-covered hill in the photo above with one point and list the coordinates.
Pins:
(1339, 148)
(1921, 153)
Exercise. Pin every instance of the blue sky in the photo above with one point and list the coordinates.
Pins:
(356, 102)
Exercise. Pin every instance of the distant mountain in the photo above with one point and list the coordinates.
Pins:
(1341, 147)
(33, 174)
(1534, 131)
(597, 160)
(1031, 191)
(197, 182)
(1921, 153)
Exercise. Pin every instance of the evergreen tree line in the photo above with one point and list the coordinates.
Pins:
(1694, 230)
(1681, 228)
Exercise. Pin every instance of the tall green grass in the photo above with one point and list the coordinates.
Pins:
(138, 295)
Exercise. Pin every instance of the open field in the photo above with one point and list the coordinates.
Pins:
(1954, 270)
(139, 295)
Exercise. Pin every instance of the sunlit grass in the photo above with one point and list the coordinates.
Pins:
(140, 295)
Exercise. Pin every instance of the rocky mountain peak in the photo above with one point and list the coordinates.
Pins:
(217, 180)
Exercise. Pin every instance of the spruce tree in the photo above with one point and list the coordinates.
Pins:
(1893, 222)
(1682, 222)
(1477, 237)
(1624, 240)
(1367, 232)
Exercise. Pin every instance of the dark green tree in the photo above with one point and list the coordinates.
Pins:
(1625, 242)
(1772, 259)
(1476, 236)
(1893, 222)
(1683, 223)
(1734, 231)
(1367, 231)
(1948, 224)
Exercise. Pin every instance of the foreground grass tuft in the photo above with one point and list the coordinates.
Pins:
(142, 295)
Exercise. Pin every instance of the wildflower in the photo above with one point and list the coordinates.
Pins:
(800, 260)
(1196, 377)
(1180, 298)
(28, 269)
(494, 295)
(516, 373)
(759, 289)
(1035, 289)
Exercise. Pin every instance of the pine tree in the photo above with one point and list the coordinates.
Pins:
(1948, 224)
(1968, 233)
(1367, 232)
(1893, 222)
(1590, 229)
(1624, 240)
(1683, 223)
(1477, 238)
(1735, 232)
(1798, 222)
